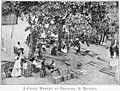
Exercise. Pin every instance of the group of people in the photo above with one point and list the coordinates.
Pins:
(20, 61)
(66, 47)
(38, 63)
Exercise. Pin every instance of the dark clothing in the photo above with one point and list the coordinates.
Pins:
(78, 50)
(22, 50)
(117, 50)
(17, 51)
(111, 51)
(44, 49)
(43, 70)
(54, 51)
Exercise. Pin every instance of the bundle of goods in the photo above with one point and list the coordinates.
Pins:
(7, 68)
(28, 71)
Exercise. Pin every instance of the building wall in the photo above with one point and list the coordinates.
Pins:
(10, 19)
(19, 34)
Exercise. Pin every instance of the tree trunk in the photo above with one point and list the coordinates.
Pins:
(30, 47)
(103, 39)
(67, 41)
(104, 36)
(59, 37)
(100, 39)
(30, 52)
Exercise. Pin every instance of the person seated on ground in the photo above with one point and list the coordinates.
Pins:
(69, 45)
(64, 43)
(36, 65)
(32, 59)
(51, 67)
(47, 45)
(64, 49)
(54, 50)
(52, 41)
(44, 47)
(36, 52)
(34, 62)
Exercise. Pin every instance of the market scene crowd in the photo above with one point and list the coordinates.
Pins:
(72, 31)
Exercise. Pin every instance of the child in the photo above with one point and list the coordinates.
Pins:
(24, 66)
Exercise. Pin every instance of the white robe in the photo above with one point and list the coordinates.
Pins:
(113, 62)
(18, 46)
(24, 65)
(117, 71)
(64, 50)
(16, 69)
(37, 64)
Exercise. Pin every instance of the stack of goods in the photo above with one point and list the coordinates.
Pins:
(3, 75)
(63, 78)
(28, 71)
(66, 74)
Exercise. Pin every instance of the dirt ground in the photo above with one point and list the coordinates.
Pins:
(92, 77)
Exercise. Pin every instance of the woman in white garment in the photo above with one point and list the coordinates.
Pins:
(113, 64)
(16, 72)
(117, 71)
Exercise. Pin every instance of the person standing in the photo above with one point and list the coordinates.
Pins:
(117, 50)
(44, 47)
(20, 49)
(39, 46)
(112, 50)
(43, 69)
(78, 45)
(16, 72)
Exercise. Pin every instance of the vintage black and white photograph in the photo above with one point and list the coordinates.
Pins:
(60, 43)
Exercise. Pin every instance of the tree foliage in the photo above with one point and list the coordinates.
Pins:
(82, 16)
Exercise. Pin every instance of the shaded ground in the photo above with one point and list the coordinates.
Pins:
(92, 77)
